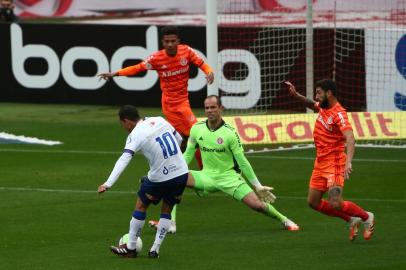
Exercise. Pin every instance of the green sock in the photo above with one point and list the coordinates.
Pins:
(173, 213)
(273, 213)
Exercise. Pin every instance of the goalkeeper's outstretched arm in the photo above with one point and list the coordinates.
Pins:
(263, 192)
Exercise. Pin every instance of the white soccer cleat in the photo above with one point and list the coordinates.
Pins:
(369, 226)
(290, 225)
(354, 225)
(172, 228)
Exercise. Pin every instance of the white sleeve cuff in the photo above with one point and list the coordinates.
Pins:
(255, 182)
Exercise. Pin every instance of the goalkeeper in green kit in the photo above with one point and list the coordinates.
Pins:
(223, 158)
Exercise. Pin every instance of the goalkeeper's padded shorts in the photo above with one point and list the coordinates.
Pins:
(230, 183)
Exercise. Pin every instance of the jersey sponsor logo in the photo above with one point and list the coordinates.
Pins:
(220, 140)
(213, 150)
(342, 120)
(175, 72)
(321, 120)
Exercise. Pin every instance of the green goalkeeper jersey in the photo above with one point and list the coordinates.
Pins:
(221, 150)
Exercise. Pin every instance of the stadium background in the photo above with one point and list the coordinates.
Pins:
(51, 216)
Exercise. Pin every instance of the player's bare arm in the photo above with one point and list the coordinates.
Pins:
(292, 92)
(107, 76)
(350, 141)
(210, 78)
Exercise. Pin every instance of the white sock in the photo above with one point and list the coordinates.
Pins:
(136, 226)
(161, 232)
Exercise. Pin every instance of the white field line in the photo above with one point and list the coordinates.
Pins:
(186, 193)
(248, 154)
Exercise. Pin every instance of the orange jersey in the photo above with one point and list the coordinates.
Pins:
(173, 72)
(328, 131)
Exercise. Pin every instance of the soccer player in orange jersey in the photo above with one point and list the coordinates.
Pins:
(333, 165)
(172, 64)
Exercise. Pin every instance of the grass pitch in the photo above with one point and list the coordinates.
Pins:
(52, 217)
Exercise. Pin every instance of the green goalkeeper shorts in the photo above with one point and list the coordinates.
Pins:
(230, 183)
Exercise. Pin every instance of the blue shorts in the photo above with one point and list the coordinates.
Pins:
(170, 191)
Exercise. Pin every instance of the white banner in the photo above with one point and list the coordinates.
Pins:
(105, 8)
(385, 53)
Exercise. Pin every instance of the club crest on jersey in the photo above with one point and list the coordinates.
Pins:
(220, 140)
(330, 120)
(183, 61)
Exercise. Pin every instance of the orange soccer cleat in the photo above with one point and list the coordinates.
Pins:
(369, 226)
(355, 222)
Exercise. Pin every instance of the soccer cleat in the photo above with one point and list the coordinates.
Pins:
(122, 250)
(172, 228)
(153, 254)
(354, 225)
(290, 225)
(369, 226)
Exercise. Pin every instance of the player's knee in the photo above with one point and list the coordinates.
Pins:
(334, 198)
(335, 203)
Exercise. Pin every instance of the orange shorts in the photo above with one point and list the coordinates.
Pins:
(180, 117)
(328, 172)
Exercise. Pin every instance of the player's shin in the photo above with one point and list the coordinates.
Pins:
(162, 230)
(354, 210)
(136, 225)
(173, 214)
(325, 208)
(271, 211)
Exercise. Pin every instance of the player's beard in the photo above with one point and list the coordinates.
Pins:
(324, 103)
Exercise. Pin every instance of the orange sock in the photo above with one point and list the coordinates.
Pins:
(354, 210)
(325, 208)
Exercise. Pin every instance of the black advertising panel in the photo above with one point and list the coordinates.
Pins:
(58, 63)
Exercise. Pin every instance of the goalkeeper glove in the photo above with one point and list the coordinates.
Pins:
(264, 193)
